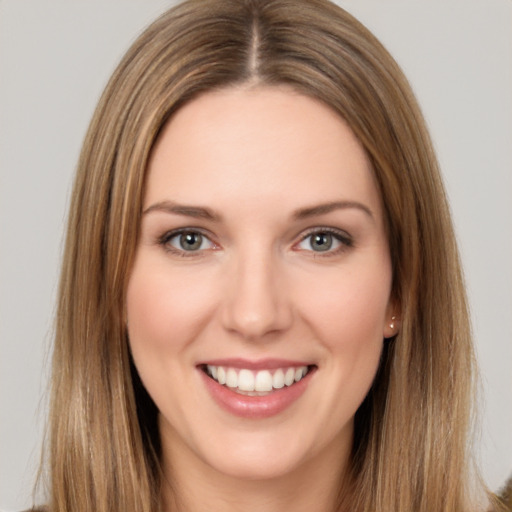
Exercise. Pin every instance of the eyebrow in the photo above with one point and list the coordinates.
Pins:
(197, 212)
(200, 212)
(322, 209)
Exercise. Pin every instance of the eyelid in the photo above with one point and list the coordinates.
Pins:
(166, 237)
(344, 238)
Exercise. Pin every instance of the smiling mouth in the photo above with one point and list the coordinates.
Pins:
(256, 383)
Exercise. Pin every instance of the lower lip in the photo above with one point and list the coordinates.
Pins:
(256, 407)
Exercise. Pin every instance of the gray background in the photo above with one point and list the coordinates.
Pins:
(55, 57)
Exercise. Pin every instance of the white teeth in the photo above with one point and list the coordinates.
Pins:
(212, 370)
(231, 378)
(246, 380)
(262, 381)
(278, 379)
(221, 375)
(289, 378)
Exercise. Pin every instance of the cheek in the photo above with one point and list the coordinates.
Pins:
(347, 311)
(347, 308)
(165, 310)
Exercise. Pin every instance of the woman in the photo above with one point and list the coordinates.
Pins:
(261, 290)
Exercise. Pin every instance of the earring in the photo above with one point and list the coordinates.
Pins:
(392, 324)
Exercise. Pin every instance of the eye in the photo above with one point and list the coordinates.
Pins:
(325, 240)
(186, 241)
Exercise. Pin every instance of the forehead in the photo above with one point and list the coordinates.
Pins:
(262, 144)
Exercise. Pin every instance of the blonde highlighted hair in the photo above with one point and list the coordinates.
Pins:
(411, 447)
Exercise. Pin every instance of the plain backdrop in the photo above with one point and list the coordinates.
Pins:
(55, 58)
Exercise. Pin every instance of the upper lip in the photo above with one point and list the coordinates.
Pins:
(259, 364)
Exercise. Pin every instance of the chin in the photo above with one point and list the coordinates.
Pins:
(256, 468)
(262, 457)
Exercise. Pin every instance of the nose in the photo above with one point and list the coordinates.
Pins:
(256, 303)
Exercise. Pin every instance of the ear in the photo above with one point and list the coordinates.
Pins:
(392, 321)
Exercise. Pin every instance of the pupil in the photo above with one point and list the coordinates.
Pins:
(191, 241)
(321, 242)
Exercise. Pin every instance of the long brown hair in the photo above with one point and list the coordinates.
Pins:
(411, 448)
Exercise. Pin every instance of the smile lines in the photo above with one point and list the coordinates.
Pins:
(255, 382)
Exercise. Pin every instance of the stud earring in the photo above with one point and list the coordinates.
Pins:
(392, 324)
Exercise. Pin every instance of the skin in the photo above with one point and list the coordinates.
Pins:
(256, 288)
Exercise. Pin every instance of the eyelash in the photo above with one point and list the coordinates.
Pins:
(344, 239)
(166, 238)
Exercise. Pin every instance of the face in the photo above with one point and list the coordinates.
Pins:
(260, 294)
